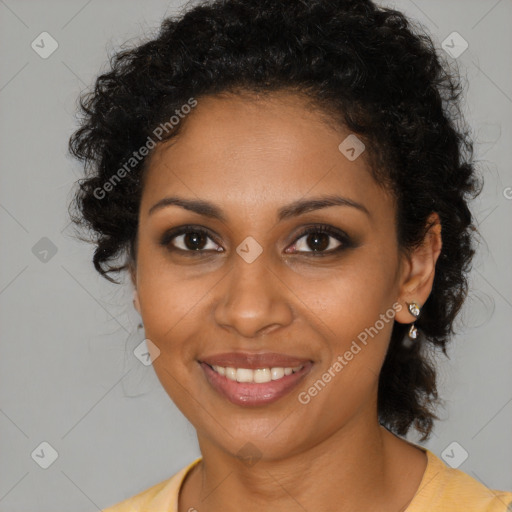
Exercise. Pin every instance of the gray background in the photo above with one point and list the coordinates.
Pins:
(67, 372)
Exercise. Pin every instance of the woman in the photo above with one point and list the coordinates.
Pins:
(287, 184)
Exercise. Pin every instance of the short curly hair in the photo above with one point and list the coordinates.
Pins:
(368, 69)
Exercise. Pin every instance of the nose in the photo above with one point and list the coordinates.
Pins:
(253, 300)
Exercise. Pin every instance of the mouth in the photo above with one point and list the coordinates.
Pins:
(254, 386)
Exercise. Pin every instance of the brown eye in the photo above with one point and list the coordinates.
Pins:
(189, 240)
(317, 242)
(194, 241)
(320, 240)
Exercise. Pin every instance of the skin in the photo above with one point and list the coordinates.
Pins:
(251, 156)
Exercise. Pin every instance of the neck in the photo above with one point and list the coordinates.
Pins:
(359, 467)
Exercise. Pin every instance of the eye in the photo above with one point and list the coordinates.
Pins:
(189, 239)
(322, 239)
(194, 241)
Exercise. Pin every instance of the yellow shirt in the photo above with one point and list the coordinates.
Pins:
(442, 489)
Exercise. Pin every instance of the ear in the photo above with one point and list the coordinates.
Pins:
(418, 270)
(133, 277)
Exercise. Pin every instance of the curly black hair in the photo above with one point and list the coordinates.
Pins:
(366, 68)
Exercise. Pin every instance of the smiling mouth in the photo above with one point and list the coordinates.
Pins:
(254, 387)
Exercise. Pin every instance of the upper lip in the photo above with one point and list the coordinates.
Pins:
(254, 360)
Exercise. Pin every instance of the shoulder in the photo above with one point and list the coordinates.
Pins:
(447, 489)
(161, 496)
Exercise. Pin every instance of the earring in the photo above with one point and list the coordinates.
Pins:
(414, 309)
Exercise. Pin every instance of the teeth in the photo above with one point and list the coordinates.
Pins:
(230, 373)
(277, 373)
(244, 375)
(262, 375)
(257, 376)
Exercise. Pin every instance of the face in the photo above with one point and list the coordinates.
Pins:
(247, 288)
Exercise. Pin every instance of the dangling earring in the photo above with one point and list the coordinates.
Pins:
(414, 309)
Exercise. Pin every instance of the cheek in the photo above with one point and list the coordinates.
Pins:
(353, 297)
(354, 345)
(353, 310)
(168, 297)
(169, 308)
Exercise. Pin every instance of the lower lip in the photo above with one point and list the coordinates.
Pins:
(250, 393)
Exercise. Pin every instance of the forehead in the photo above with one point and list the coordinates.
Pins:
(234, 125)
(255, 151)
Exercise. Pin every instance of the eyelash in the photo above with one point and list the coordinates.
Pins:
(339, 235)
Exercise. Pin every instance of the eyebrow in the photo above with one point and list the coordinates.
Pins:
(293, 209)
